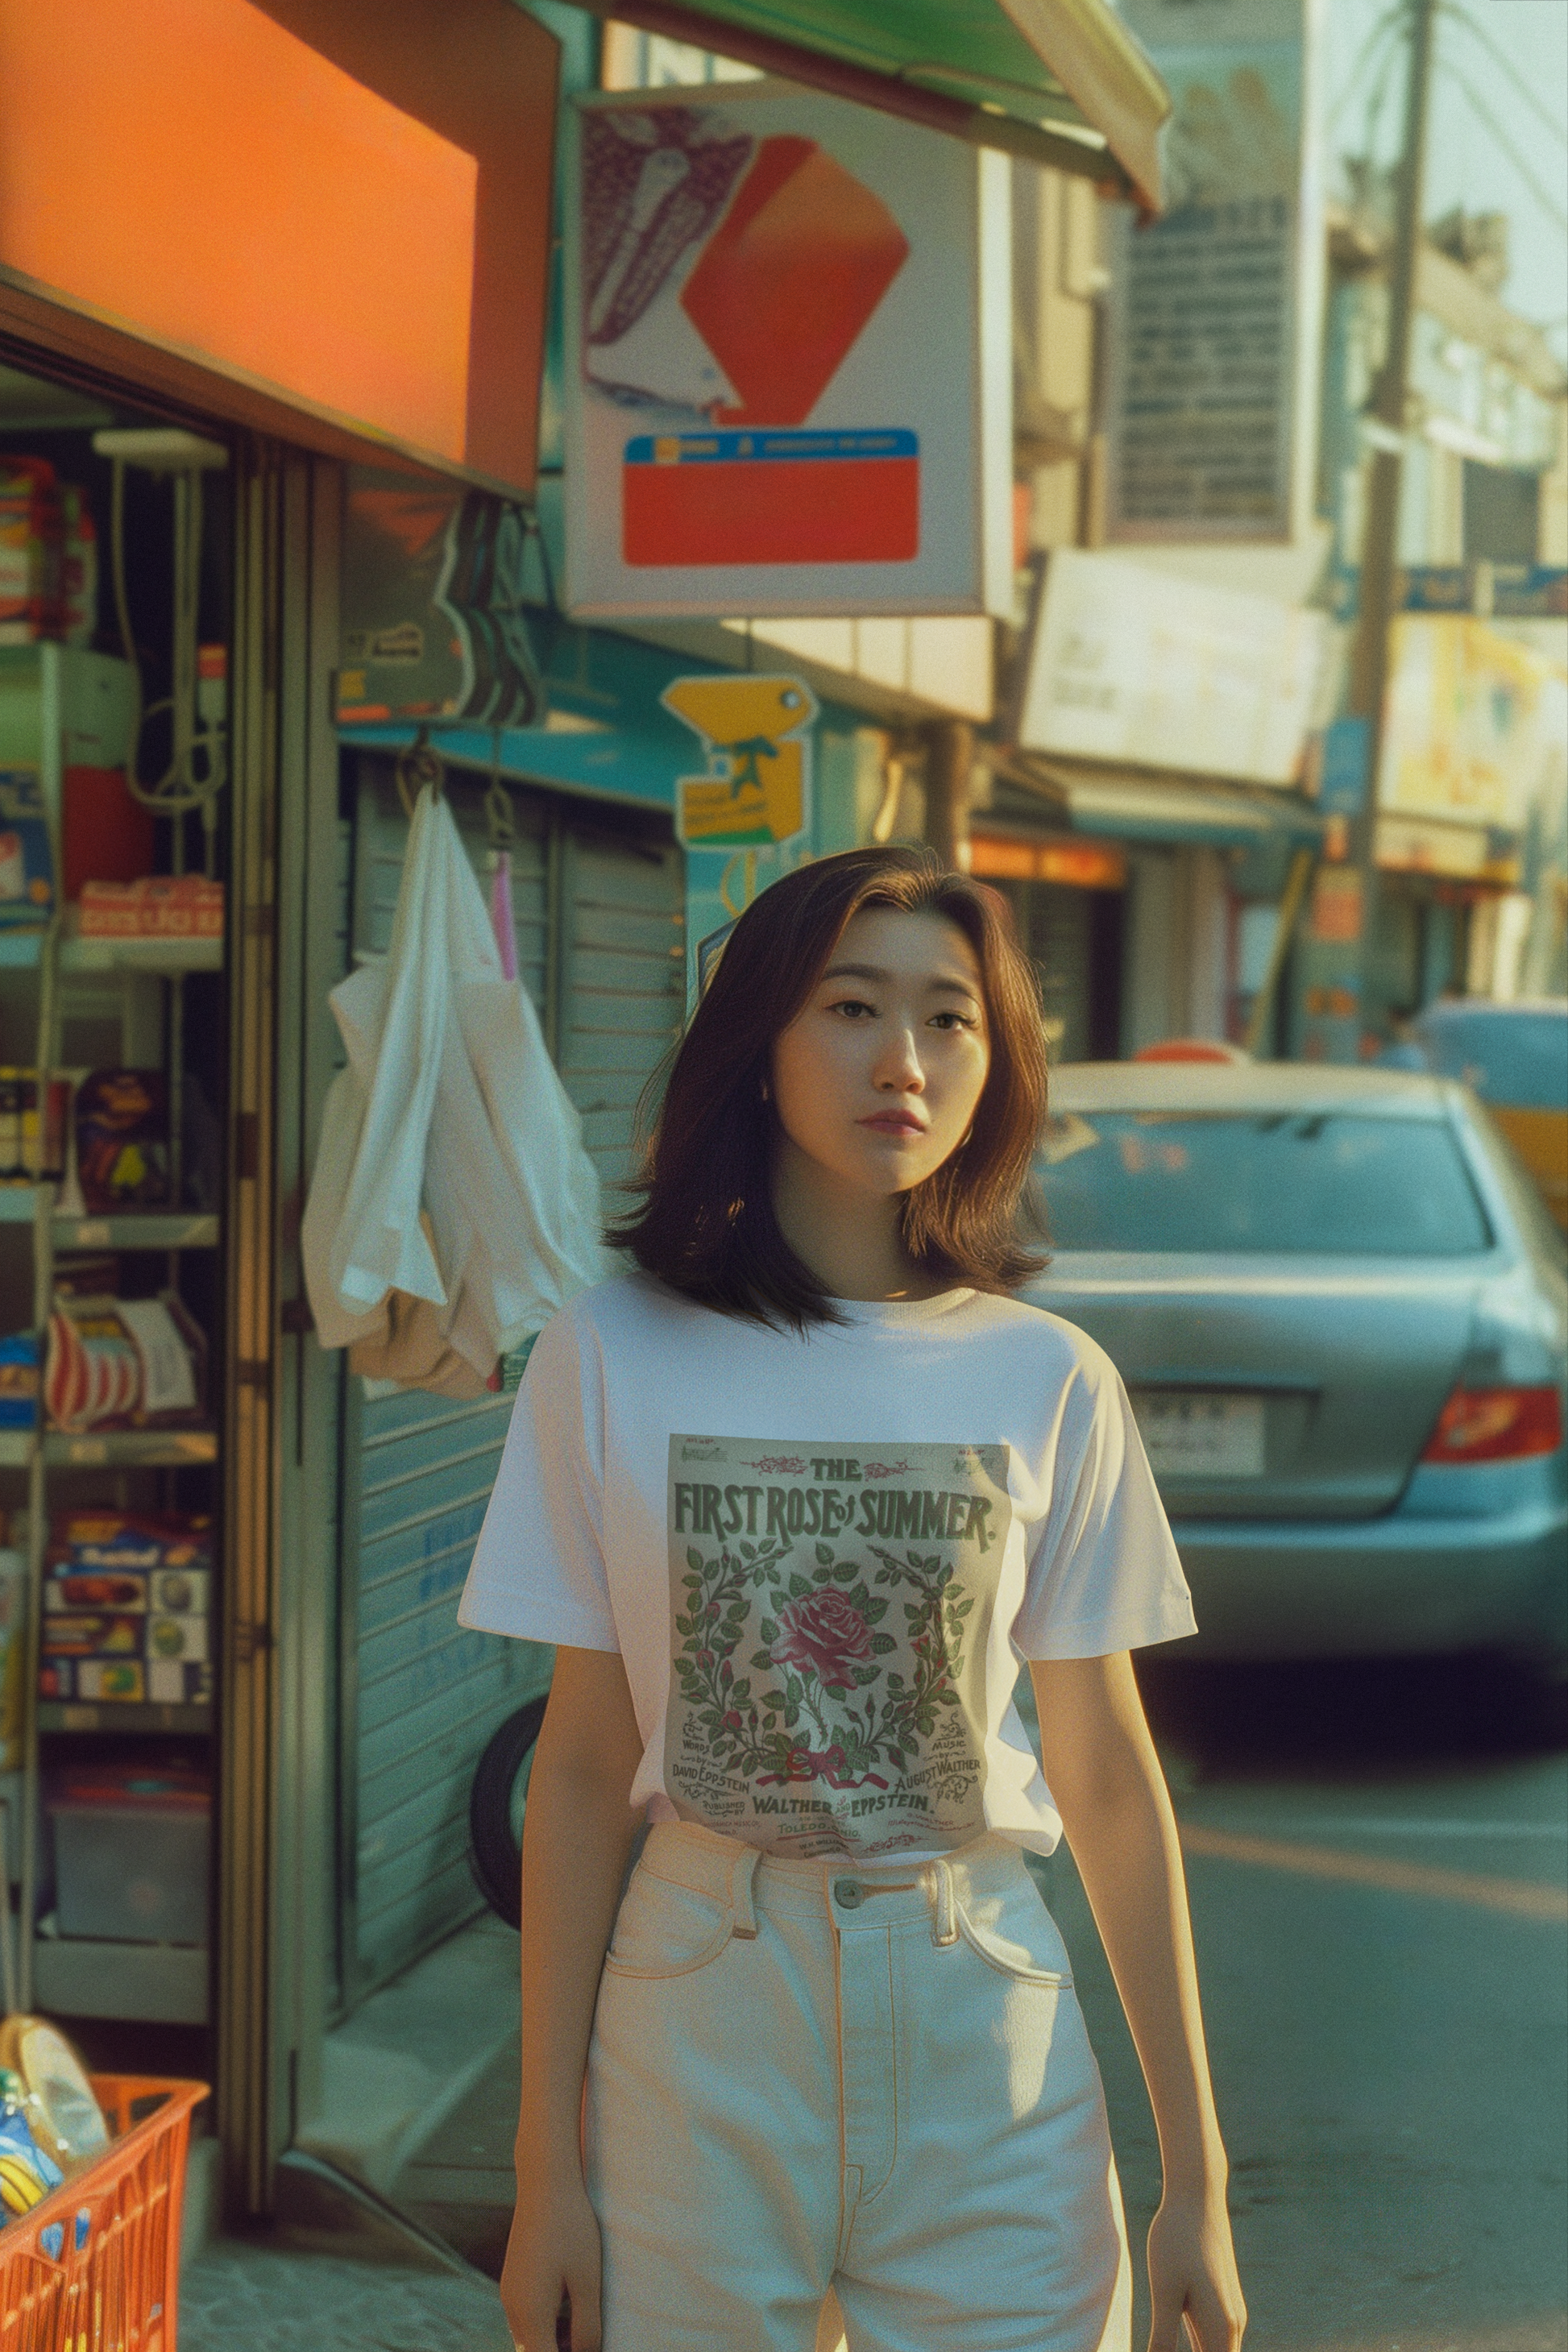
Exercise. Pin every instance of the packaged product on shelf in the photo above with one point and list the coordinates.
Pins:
(26, 852)
(66, 2119)
(13, 1648)
(32, 551)
(124, 1364)
(32, 1138)
(20, 1380)
(123, 1140)
(156, 906)
(126, 1609)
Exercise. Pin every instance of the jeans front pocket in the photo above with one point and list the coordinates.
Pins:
(1014, 1934)
(664, 1929)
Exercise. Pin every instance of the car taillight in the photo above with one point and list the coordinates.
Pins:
(1497, 1425)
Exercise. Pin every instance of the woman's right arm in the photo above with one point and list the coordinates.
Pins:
(577, 1834)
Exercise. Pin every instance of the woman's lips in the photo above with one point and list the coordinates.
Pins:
(894, 1122)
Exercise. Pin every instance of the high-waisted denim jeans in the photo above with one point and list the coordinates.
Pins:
(809, 2082)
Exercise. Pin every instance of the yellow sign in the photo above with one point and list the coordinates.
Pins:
(756, 735)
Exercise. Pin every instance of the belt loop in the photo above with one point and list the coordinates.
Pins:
(742, 1872)
(944, 1913)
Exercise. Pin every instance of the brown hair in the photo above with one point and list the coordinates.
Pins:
(706, 1226)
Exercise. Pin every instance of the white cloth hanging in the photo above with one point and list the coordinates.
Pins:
(451, 1166)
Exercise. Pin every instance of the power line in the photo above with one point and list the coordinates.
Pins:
(1543, 197)
(1386, 23)
(1500, 58)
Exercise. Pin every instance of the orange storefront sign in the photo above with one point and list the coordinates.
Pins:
(1080, 865)
(339, 211)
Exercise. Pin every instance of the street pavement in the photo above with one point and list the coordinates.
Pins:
(1378, 1857)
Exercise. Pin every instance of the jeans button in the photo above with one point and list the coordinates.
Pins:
(847, 1895)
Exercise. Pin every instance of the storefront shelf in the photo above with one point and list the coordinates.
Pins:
(19, 950)
(136, 1231)
(129, 1449)
(161, 1984)
(68, 1715)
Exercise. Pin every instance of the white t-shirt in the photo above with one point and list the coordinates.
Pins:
(823, 1559)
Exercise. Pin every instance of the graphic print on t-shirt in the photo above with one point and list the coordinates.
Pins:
(830, 1611)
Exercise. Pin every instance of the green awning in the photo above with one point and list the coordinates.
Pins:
(1060, 81)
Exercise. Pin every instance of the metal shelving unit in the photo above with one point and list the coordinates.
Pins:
(163, 1983)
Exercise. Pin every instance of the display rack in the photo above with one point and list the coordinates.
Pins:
(151, 1982)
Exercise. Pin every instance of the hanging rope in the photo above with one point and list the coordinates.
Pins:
(417, 765)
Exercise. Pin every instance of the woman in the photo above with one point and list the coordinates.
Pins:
(794, 1501)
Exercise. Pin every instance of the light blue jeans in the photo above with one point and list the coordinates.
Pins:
(807, 2082)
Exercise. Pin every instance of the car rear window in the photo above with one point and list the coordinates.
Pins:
(1518, 1059)
(1326, 1184)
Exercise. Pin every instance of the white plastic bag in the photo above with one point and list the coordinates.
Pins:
(449, 1105)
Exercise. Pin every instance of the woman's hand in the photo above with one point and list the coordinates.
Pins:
(554, 2250)
(1192, 2275)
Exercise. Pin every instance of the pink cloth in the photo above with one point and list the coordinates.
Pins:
(501, 919)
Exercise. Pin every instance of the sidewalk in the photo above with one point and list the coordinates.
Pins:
(271, 2298)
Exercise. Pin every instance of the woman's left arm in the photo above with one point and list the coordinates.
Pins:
(1105, 1776)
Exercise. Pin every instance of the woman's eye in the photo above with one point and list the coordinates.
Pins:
(954, 1021)
(853, 1008)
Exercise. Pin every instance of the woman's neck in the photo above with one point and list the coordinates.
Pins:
(851, 1241)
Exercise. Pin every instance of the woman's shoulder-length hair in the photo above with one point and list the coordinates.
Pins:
(706, 1224)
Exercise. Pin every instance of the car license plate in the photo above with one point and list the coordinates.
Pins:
(1194, 1434)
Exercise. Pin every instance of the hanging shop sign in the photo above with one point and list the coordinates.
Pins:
(1474, 725)
(1215, 307)
(434, 584)
(788, 381)
(341, 214)
(1138, 665)
(756, 734)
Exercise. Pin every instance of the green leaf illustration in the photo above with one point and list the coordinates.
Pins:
(767, 1629)
(881, 1643)
(799, 1586)
(824, 1555)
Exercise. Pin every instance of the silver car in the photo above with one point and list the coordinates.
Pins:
(1341, 1311)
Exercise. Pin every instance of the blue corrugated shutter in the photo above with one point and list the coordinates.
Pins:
(598, 913)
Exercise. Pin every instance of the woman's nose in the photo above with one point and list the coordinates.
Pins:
(898, 1064)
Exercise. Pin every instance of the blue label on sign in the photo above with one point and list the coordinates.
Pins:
(1347, 754)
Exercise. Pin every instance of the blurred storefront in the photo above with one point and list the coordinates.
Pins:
(203, 413)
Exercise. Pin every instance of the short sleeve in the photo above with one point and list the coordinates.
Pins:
(538, 1570)
(1105, 1575)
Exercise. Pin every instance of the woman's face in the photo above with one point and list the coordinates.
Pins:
(877, 1078)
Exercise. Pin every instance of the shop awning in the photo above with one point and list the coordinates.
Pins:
(1060, 81)
(1135, 804)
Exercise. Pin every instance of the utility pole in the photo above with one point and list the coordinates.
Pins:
(950, 756)
(1386, 415)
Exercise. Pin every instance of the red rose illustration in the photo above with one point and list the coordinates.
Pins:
(824, 1635)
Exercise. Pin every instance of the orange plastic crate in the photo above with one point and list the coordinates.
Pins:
(96, 2267)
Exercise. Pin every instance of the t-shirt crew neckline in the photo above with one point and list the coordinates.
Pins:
(898, 1314)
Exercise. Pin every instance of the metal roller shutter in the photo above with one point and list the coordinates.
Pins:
(598, 911)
